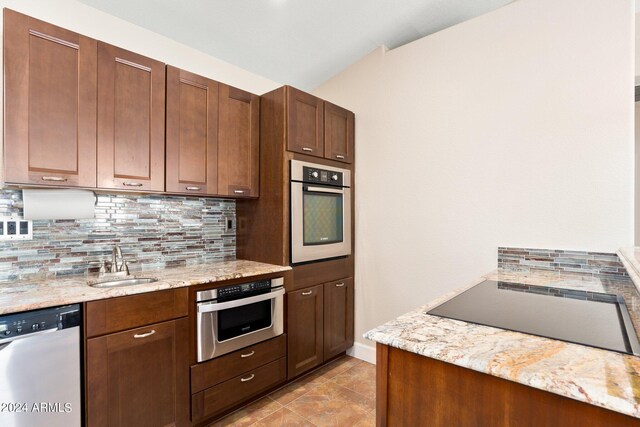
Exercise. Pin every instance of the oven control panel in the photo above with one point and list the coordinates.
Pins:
(243, 289)
(322, 176)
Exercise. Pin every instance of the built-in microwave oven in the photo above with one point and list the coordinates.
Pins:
(320, 212)
(237, 316)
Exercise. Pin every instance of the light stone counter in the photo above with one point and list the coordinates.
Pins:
(33, 294)
(599, 377)
(630, 258)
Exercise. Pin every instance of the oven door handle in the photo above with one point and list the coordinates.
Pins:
(217, 306)
(323, 190)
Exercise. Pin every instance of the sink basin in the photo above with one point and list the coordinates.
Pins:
(124, 282)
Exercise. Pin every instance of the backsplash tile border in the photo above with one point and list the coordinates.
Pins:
(565, 261)
(157, 231)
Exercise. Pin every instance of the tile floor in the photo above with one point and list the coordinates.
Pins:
(341, 393)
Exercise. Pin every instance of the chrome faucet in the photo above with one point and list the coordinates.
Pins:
(123, 267)
(115, 254)
(115, 269)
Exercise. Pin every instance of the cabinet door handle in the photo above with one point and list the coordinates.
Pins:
(339, 156)
(307, 293)
(307, 149)
(238, 191)
(153, 331)
(339, 285)
(54, 178)
(249, 378)
(248, 354)
(193, 188)
(132, 184)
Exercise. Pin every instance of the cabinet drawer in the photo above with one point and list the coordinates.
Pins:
(234, 391)
(215, 371)
(118, 314)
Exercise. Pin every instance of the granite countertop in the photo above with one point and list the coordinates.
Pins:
(599, 377)
(32, 294)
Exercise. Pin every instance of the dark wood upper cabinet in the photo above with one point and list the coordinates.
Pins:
(131, 98)
(318, 128)
(305, 330)
(139, 377)
(238, 143)
(305, 120)
(338, 317)
(338, 133)
(50, 104)
(191, 133)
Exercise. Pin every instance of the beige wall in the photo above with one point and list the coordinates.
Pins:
(637, 133)
(86, 20)
(637, 174)
(515, 128)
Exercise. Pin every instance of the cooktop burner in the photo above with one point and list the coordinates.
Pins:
(582, 317)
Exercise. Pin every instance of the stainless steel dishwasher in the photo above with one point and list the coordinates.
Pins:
(40, 368)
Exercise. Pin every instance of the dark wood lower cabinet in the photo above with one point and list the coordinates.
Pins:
(305, 329)
(139, 377)
(217, 399)
(414, 390)
(338, 317)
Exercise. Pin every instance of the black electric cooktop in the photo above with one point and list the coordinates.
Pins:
(588, 318)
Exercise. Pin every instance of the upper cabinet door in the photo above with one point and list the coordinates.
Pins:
(192, 133)
(50, 104)
(304, 123)
(238, 143)
(338, 133)
(131, 94)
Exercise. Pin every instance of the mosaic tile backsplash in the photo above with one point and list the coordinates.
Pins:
(595, 263)
(155, 231)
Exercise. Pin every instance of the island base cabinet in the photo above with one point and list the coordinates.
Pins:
(139, 377)
(416, 390)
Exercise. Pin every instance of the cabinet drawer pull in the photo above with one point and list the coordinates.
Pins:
(153, 331)
(307, 293)
(238, 191)
(249, 378)
(307, 149)
(54, 178)
(248, 354)
(193, 188)
(339, 156)
(132, 184)
(339, 285)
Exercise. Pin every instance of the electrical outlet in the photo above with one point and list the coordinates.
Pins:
(16, 229)
(229, 224)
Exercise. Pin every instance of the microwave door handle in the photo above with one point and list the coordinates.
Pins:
(323, 190)
(217, 306)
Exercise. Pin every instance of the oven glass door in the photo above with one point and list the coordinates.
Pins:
(237, 321)
(322, 221)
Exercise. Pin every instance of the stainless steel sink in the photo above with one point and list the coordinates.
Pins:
(124, 282)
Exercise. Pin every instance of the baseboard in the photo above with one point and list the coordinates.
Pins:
(363, 352)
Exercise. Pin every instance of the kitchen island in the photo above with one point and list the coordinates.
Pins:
(457, 373)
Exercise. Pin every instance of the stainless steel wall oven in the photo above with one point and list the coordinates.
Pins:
(320, 212)
(236, 316)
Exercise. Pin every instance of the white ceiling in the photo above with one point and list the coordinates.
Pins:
(297, 42)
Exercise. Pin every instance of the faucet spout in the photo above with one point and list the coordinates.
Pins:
(115, 254)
